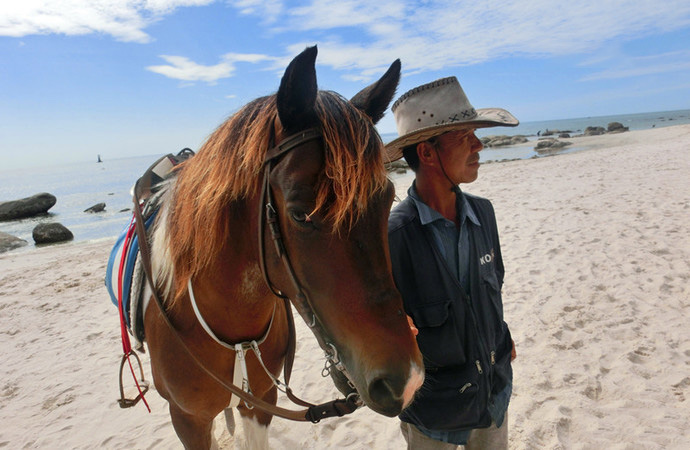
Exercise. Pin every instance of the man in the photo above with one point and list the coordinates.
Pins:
(447, 265)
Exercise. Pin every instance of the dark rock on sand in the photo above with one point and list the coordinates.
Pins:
(9, 242)
(399, 166)
(46, 233)
(616, 127)
(503, 140)
(594, 131)
(549, 145)
(27, 207)
(98, 207)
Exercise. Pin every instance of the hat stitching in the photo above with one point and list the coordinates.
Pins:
(424, 87)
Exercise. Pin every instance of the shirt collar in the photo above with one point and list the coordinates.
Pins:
(428, 215)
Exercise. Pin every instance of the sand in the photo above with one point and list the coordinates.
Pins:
(596, 246)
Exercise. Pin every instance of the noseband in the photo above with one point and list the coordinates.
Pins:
(268, 215)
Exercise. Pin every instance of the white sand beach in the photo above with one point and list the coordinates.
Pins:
(596, 246)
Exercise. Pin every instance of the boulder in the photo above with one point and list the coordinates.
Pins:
(9, 242)
(503, 140)
(46, 233)
(399, 166)
(550, 145)
(27, 207)
(98, 207)
(616, 127)
(594, 131)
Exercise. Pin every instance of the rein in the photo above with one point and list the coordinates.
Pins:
(312, 413)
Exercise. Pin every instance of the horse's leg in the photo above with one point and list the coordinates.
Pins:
(255, 423)
(194, 432)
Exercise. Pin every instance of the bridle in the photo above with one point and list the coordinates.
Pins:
(268, 215)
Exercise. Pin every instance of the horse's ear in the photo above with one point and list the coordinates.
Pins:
(297, 92)
(374, 100)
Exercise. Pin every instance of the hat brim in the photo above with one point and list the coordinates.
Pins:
(485, 118)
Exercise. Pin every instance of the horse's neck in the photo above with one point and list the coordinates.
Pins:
(232, 293)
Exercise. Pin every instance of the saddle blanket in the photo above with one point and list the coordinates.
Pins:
(124, 277)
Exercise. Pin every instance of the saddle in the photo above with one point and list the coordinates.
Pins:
(124, 276)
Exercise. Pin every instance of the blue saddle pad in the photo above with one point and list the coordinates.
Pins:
(129, 254)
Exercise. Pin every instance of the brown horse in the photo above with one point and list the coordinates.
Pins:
(330, 201)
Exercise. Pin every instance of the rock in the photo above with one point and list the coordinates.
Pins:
(46, 233)
(616, 127)
(399, 166)
(594, 131)
(503, 140)
(564, 135)
(9, 242)
(27, 207)
(98, 207)
(550, 145)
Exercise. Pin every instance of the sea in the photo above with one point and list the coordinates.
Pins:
(79, 186)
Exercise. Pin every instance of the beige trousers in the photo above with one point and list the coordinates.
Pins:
(491, 438)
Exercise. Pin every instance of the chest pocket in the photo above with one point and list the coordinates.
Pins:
(442, 334)
(492, 291)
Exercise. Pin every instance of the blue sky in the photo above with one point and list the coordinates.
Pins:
(136, 77)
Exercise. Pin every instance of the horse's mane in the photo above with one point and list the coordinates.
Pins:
(228, 166)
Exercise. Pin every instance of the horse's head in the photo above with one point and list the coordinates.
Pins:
(332, 198)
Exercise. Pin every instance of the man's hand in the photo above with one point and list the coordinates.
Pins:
(513, 353)
(414, 329)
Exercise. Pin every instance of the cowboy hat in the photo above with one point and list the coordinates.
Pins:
(436, 108)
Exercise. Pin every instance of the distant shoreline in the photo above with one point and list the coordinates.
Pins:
(635, 121)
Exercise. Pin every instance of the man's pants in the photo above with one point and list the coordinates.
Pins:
(491, 438)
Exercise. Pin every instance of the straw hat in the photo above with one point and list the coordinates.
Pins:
(435, 108)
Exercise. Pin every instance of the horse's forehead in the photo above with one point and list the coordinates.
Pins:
(302, 164)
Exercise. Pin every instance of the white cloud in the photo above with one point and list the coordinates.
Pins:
(124, 20)
(643, 65)
(435, 34)
(182, 68)
(361, 37)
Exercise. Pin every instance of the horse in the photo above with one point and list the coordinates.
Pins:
(310, 164)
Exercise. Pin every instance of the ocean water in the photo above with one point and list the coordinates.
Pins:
(76, 187)
(641, 121)
(80, 186)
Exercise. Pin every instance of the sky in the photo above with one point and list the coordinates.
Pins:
(125, 78)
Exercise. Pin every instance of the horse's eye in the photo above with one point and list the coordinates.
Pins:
(301, 217)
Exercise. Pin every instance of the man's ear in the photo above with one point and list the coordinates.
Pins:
(426, 153)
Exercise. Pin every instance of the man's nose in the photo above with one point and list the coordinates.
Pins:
(476, 144)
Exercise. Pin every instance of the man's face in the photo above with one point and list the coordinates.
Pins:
(459, 152)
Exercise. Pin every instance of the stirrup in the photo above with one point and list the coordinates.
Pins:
(142, 384)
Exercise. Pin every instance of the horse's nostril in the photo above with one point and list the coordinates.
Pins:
(384, 396)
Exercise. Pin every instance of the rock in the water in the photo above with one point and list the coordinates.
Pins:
(550, 145)
(503, 140)
(594, 131)
(9, 242)
(98, 207)
(616, 127)
(27, 207)
(396, 166)
(46, 233)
